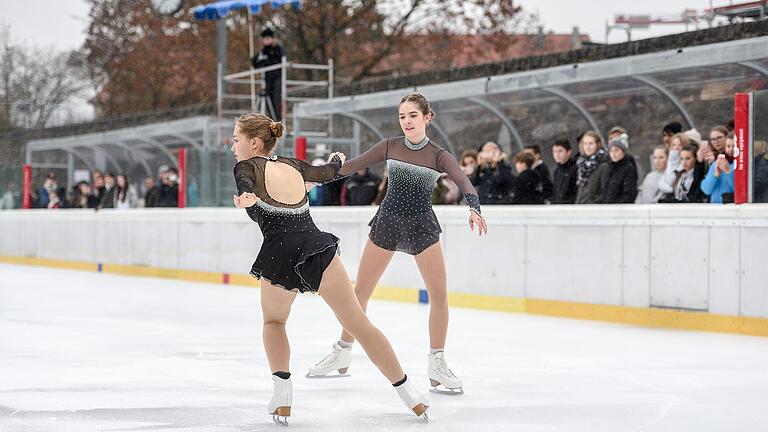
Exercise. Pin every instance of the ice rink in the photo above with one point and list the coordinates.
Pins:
(97, 352)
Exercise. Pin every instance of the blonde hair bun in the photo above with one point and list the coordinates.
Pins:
(277, 129)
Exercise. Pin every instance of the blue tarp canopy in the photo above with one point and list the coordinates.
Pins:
(220, 9)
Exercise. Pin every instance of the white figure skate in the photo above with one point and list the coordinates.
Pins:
(282, 398)
(338, 360)
(441, 379)
(413, 400)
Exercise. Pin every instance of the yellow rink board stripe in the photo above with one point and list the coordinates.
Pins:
(649, 317)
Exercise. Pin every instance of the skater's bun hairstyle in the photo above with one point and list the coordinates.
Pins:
(420, 101)
(262, 127)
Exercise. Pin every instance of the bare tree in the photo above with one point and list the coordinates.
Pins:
(6, 69)
(35, 83)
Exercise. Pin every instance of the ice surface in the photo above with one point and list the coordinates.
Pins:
(97, 352)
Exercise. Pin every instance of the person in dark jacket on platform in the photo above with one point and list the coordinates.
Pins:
(564, 186)
(150, 196)
(360, 189)
(493, 176)
(526, 187)
(620, 180)
(168, 191)
(541, 169)
(271, 53)
(591, 157)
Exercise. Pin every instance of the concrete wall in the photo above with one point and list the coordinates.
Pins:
(698, 257)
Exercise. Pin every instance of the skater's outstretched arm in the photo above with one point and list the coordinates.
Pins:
(376, 154)
(319, 174)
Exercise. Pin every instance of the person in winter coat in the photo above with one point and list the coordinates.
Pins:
(564, 186)
(47, 186)
(592, 155)
(83, 197)
(686, 187)
(541, 169)
(168, 191)
(649, 189)
(360, 189)
(707, 154)
(271, 53)
(678, 142)
(526, 189)
(619, 185)
(150, 194)
(718, 183)
(125, 196)
(493, 176)
(108, 199)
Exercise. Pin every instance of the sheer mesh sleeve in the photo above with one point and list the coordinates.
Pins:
(447, 164)
(376, 154)
(318, 174)
(245, 177)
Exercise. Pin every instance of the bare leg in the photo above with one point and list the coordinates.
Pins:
(372, 265)
(336, 290)
(432, 268)
(275, 307)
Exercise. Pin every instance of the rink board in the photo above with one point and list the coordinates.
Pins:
(697, 267)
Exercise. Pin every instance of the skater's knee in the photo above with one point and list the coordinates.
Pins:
(363, 294)
(438, 298)
(274, 322)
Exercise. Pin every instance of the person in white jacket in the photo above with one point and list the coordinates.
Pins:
(125, 195)
(649, 189)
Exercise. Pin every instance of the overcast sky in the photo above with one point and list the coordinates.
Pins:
(61, 23)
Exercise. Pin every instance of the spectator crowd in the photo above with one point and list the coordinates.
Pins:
(105, 190)
(685, 168)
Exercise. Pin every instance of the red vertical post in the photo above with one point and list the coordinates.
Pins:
(301, 147)
(26, 200)
(182, 178)
(742, 137)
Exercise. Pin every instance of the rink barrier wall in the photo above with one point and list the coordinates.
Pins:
(726, 245)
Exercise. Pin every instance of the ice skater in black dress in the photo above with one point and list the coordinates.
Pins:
(405, 222)
(297, 257)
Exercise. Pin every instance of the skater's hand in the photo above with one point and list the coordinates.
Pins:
(476, 219)
(341, 156)
(245, 200)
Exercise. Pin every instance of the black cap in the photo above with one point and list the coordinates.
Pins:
(267, 32)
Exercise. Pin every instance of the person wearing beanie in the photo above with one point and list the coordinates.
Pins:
(616, 132)
(619, 183)
(271, 53)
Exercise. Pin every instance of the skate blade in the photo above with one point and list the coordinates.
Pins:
(284, 412)
(279, 421)
(342, 373)
(446, 391)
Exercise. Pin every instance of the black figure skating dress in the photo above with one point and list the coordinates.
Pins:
(405, 220)
(295, 253)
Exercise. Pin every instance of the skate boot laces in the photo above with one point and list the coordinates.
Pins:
(442, 367)
(331, 358)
